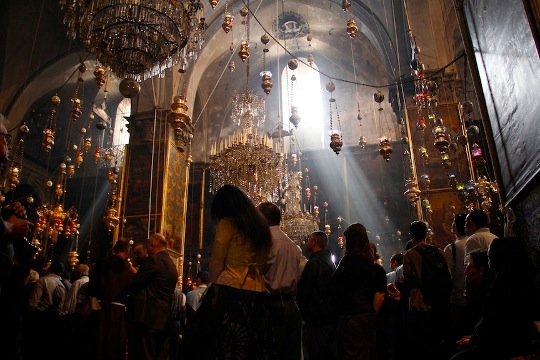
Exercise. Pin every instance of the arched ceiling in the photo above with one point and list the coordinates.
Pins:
(374, 59)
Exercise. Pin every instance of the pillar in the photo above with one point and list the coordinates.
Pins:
(155, 183)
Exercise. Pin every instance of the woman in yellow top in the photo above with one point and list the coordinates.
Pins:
(239, 253)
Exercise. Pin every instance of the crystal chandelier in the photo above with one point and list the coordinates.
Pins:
(246, 158)
(298, 219)
(134, 38)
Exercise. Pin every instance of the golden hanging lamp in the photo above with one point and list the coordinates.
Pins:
(385, 148)
(227, 22)
(352, 28)
(244, 50)
(267, 83)
(99, 74)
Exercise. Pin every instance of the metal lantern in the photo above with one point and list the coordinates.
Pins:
(294, 118)
(413, 192)
(362, 142)
(441, 142)
(379, 98)
(227, 22)
(335, 142)
(352, 28)
(385, 148)
(244, 50)
(267, 82)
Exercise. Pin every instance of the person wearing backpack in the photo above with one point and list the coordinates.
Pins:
(427, 277)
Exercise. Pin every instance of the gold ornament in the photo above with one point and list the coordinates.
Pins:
(244, 50)
(267, 83)
(227, 22)
(385, 148)
(352, 28)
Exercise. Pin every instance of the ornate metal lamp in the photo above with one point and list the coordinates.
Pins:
(246, 158)
(137, 39)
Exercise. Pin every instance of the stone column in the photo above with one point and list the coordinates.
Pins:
(155, 182)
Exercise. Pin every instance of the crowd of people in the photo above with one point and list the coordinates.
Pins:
(262, 299)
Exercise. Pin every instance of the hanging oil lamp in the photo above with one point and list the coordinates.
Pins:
(352, 28)
(413, 192)
(79, 159)
(294, 159)
(327, 229)
(73, 259)
(362, 142)
(477, 154)
(379, 98)
(467, 107)
(99, 73)
(294, 118)
(293, 64)
(385, 148)
(441, 141)
(483, 186)
(426, 180)
(335, 142)
(58, 190)
(431, 87)
(421, 123)
(452, 179)
(71, 170)
(423, 152)
(97, 155)
(445, 159)
(227, 22)
(48, 140)
(107, 157)
(76, 109)
(14, 177)
(267, 82)
(87, 144)
(244, 50)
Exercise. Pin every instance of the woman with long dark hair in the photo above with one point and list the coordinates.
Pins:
(239, 253)
(356, 292)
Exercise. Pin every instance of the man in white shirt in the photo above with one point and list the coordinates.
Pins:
(193, 298)
(479, 235)
(396, 264)
(82, 271)
(46, 302)
(281, 283)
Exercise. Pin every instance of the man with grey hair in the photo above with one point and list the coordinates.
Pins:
(151, 293)
(81, 275)
(311, 296)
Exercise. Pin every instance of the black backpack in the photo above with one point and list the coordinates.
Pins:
(436, 283)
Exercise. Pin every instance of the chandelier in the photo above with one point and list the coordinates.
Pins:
(298, 221)
(134, 38)
(246, 158)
